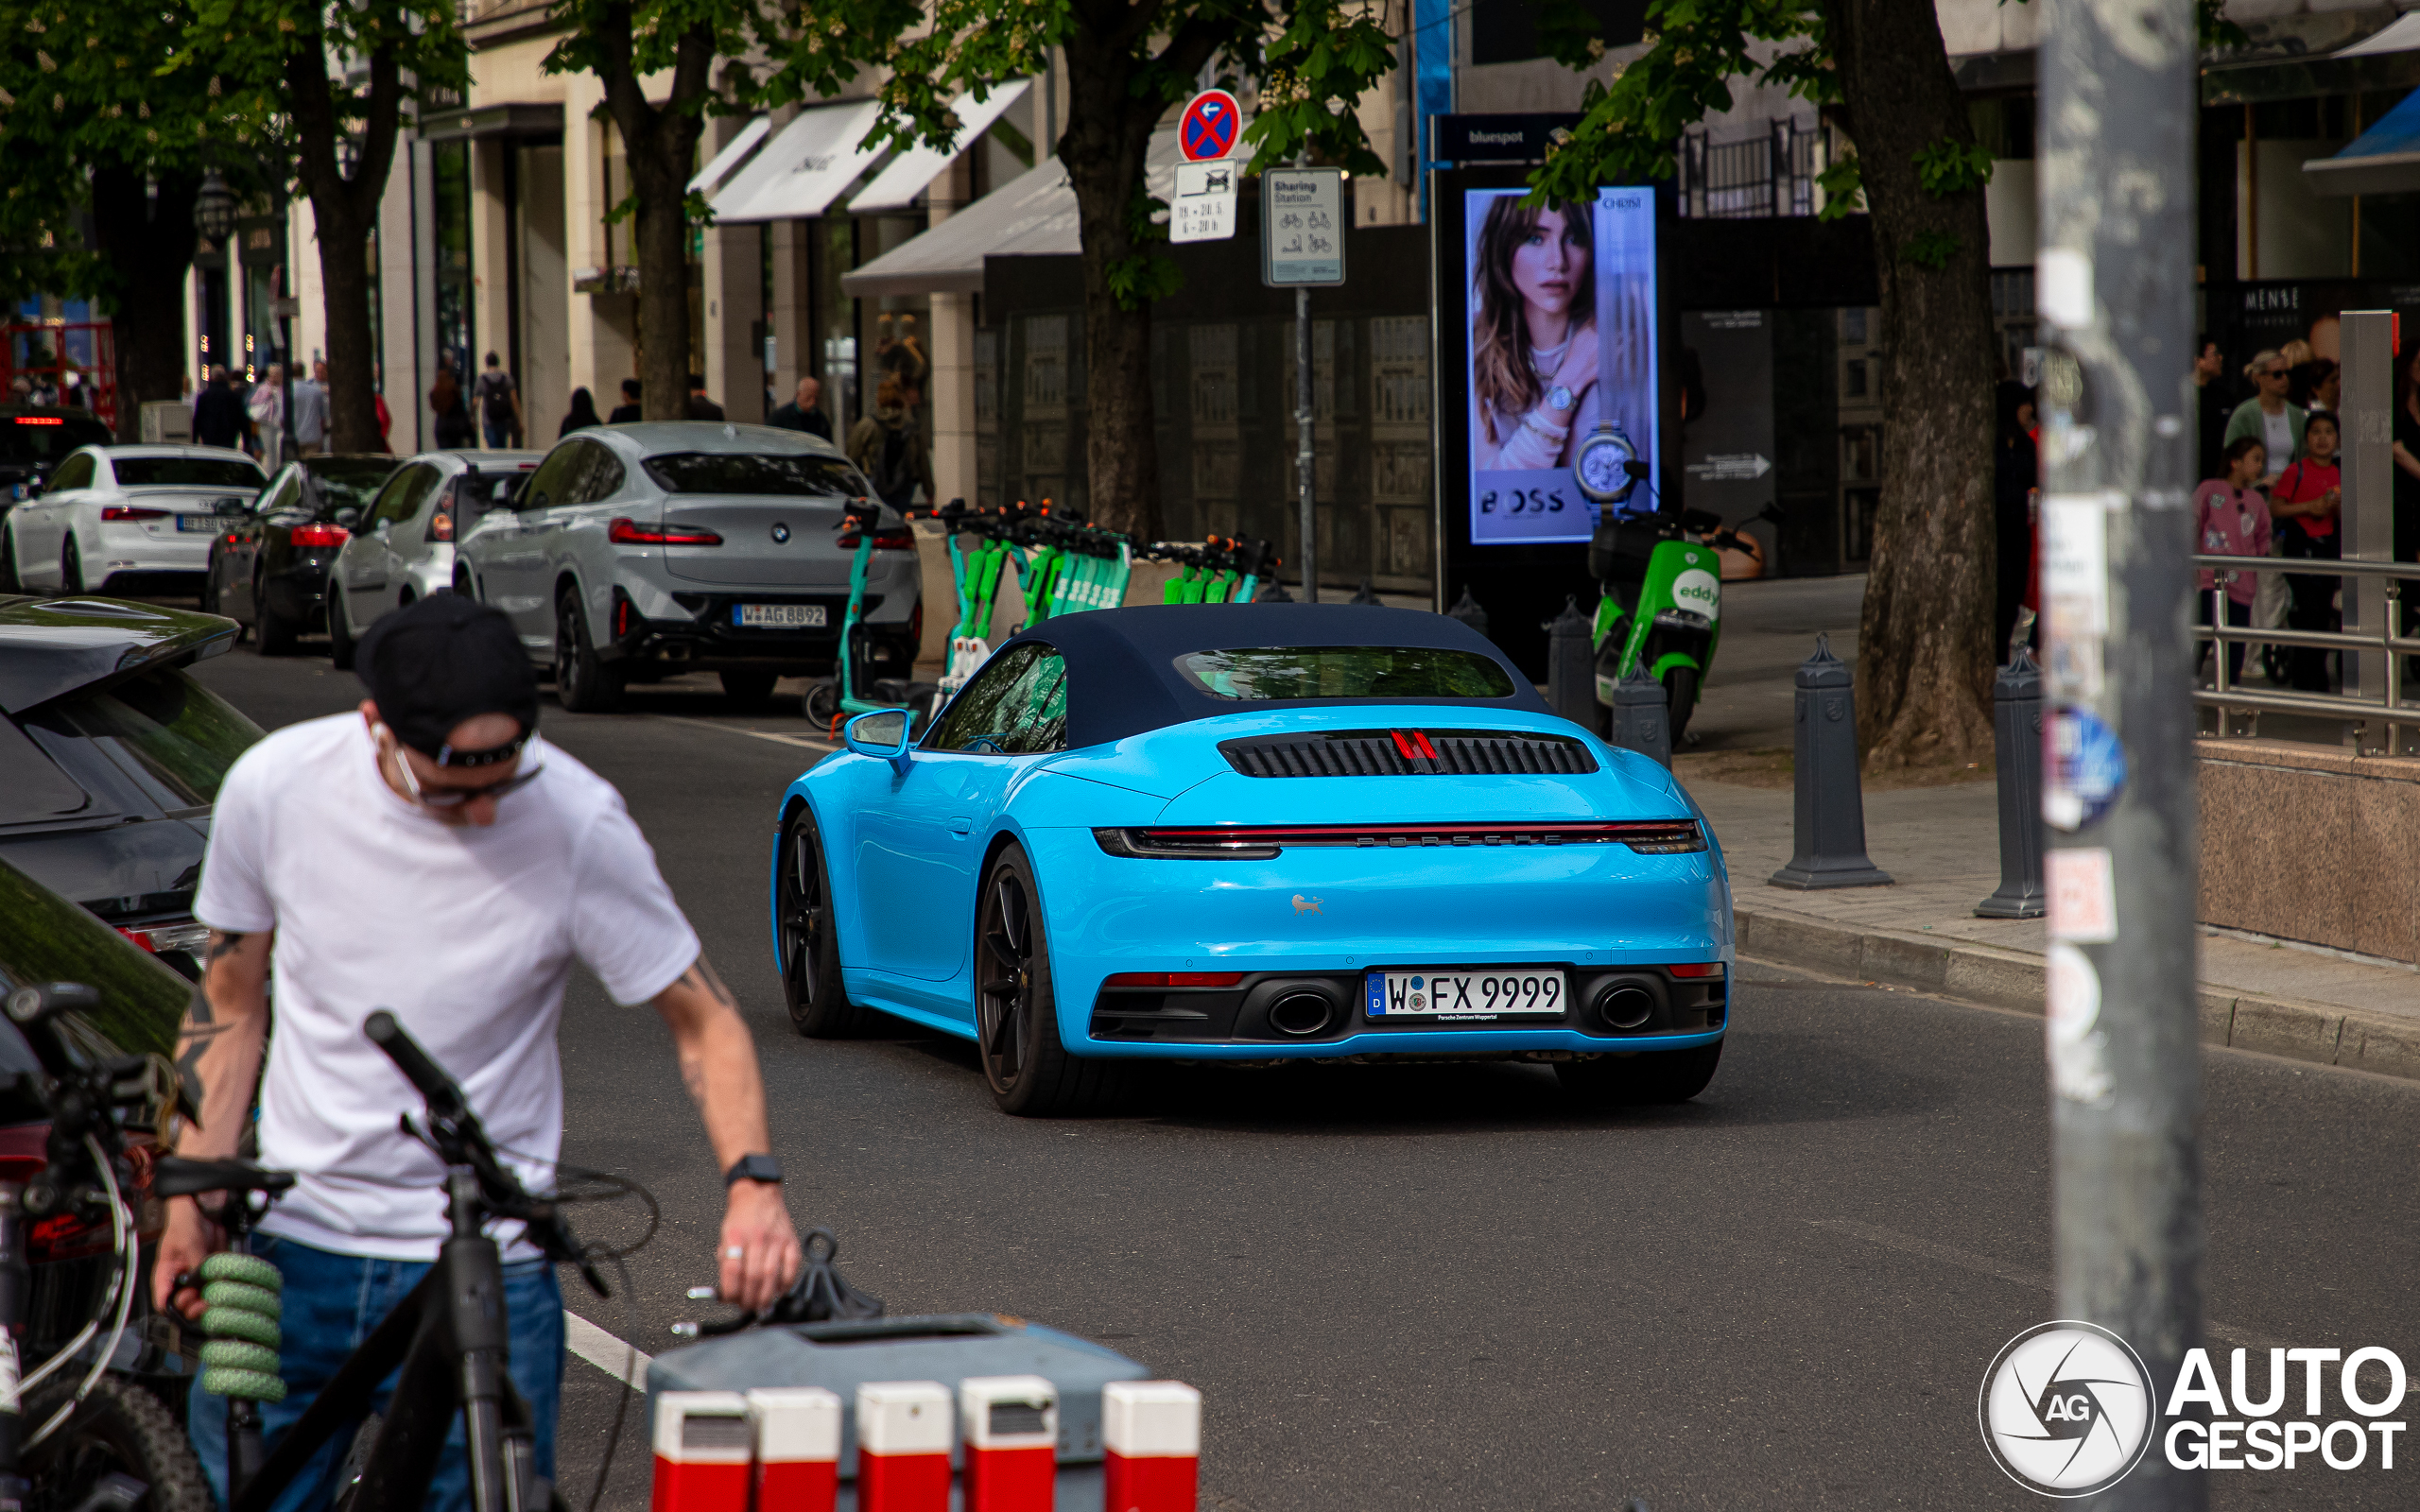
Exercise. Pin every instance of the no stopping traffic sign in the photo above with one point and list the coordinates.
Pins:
(1209, 128)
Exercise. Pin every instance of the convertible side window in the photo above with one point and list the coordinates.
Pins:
(1017, 706)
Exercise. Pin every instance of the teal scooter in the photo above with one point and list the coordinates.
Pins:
(831, 699)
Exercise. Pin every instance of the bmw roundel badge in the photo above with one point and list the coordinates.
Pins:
(780, 532)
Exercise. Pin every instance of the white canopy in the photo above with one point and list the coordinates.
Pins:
(905, 177)
(802, 170)
(728, 159)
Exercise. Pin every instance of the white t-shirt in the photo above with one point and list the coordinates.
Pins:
(2277, 435)
(467, 936)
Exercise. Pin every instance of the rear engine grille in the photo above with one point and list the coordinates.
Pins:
(1408, 753)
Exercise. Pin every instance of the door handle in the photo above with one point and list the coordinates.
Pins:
(962, 824)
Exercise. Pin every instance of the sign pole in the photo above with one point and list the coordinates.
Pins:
(1302, 464)
(2114, 285)
(1303, 219)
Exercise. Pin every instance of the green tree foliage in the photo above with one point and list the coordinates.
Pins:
(294, 53)
(89, 125)
(1128, 63)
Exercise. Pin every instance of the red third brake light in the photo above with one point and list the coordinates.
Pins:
(120, 512)
(1174, 979)
(630, 533)
(320, 535)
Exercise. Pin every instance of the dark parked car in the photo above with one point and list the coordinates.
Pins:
(111, 756)
(36, 438)
(270, 572)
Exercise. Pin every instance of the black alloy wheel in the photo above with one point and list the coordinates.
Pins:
(340, 643)
(119, 1430)
(276, 633)
(1016, 1015)
(820, 1005)
(210, 585)
(10, 581)
(583, 684)
(1650, 1076)
(71, 566)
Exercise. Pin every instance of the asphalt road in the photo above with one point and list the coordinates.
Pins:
(1441, 1287)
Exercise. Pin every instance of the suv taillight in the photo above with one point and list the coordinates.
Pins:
(630, 533)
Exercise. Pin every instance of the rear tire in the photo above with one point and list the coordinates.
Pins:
(71, 566)
(210, 587)
(276, 630)
(583, 684)
(10, 581)
(1653, 1076)
(119, 1429)
(749, 687)
(810, 945)
(1017, 1012)
(340, 643)
(821, 702)
(1680, 698)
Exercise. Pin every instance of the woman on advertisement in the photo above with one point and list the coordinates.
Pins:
(1533, 335)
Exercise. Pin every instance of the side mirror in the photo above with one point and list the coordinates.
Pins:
(348, 516)
(881, 734)
(383, 529)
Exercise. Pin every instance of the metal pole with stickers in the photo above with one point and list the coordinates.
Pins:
(2115, 290)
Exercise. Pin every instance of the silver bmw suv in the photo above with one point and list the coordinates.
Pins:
(634, 551)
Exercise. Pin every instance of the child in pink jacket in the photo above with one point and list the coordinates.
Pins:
(2232, 519)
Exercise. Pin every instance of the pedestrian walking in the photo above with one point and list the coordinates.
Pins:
(445, 402)
(499, 403)
(311, 412)
(217, 413)
(628, 411)
(806, 412)
(582, 416)
(700, 407)
(266, 405)
(887, 449)
(2234, 521)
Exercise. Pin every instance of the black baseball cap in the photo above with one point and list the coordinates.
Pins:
(441, 660)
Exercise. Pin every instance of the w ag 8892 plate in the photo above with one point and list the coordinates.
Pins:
(1457, 994)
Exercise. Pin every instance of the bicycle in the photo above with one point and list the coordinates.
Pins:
(448, 1337)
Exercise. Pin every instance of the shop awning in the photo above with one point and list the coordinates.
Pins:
(804, 168)
(539, 122)
(2384, 160)
(733, 153)
(1033, 215)
(905, 177)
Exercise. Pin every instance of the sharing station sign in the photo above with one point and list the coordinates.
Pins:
(1205, 208)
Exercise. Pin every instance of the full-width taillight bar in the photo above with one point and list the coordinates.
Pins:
(1258, 842)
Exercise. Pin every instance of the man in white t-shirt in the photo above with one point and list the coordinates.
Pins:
(429, 857)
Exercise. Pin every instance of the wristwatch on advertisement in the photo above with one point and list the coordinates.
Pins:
(1560, 398)
(752, 1168)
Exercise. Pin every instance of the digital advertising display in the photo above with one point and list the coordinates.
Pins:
(1561, 304)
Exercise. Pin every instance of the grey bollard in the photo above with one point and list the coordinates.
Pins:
(1829, 814)
(1571, 672)
(1468, 611)
(1642, 720)
(2016, 740)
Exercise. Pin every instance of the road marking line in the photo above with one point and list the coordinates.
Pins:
(623, 1362)
(1967, 1259)
(802, 742)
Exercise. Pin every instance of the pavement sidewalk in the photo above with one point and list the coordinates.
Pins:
(1940, 845)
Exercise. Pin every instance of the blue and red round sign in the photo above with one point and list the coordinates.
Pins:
(1207, 129)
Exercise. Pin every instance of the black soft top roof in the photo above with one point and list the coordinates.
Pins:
(1122, 676)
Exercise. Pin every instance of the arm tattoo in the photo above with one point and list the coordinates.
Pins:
(702, 978)
(200, 1028)
(221, 945)
(692, 1075)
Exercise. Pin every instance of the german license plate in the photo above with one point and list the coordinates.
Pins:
(1460, 995)
(207, 524)
(777, 616)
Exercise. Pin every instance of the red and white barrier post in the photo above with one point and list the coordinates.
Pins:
(798, 1447)
(703, 1441)
(902, 1445)
(1151, 1431)
(1011, 1427)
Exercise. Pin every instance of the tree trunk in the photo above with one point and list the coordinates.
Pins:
(343, 212)
(661, 143)
(148, 243)
(1924, 655)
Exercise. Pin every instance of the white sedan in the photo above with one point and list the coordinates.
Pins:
(127, 519)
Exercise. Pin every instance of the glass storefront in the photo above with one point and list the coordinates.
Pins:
(456, 337)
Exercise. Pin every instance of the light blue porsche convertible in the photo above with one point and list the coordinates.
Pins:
(1256, 833)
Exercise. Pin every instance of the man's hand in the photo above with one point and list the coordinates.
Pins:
(190, 1240)
(760, 1253)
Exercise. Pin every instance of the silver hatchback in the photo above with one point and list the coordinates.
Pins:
(635, 552)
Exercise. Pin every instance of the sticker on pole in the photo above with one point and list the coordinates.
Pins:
(1208, 128)
(2086, 769)
(1204, 207)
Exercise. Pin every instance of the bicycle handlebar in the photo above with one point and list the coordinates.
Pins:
(443, 1098)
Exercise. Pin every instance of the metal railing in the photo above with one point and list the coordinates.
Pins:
(2388, 707)
(1761, 177)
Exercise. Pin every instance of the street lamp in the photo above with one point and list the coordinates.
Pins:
(214, 208)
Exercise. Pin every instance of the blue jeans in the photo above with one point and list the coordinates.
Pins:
(332, 1303)
(499, 432)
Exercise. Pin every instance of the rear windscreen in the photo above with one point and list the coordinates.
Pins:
(342, 485)
(185, 471)
(827, 478)
(169, 731)
(1345, 672)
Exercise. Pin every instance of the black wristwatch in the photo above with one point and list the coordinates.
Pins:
(753, 1168)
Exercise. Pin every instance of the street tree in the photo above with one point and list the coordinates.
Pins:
(1877, 70)
(89, 125)
(335, 131)
(1128, 61)
(625, 43)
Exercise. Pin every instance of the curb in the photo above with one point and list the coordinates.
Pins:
(2315, 1032)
